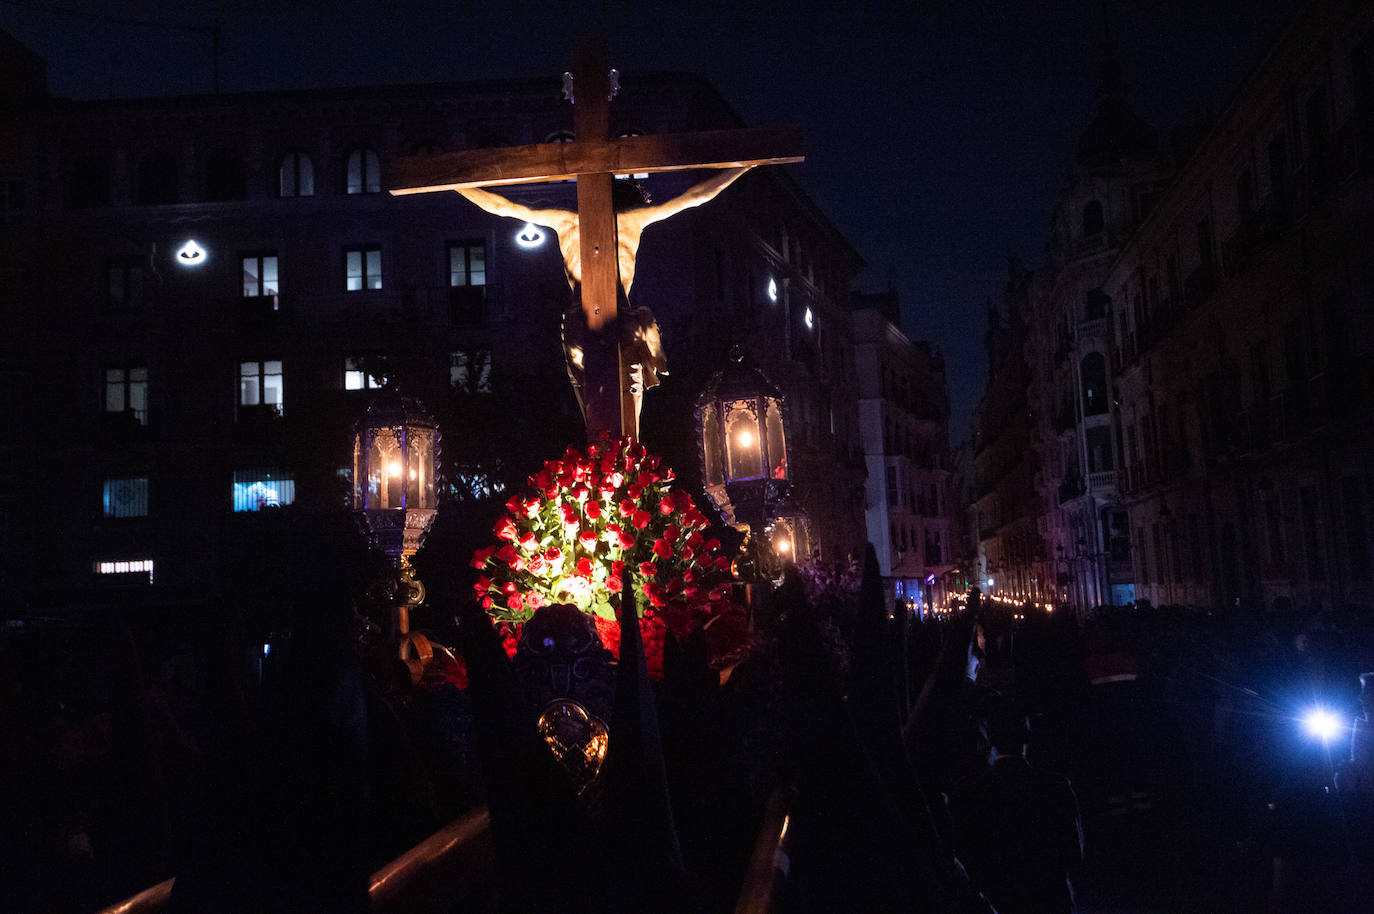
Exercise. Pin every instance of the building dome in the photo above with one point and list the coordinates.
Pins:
(1116, 132)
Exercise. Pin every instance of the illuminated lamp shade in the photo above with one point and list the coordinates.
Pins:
(190, 254)
(743, 445)
(531, 236)
(772, 289)
(395, 462)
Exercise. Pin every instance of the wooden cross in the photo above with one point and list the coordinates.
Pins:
(594, 158)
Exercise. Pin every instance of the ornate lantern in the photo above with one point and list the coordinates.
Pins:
(395, 461)
(744, 465)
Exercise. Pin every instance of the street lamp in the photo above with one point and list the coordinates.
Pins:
(744, 465)
(395, 460)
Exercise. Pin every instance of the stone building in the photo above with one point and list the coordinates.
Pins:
(1241, 327)
(201, 291)
(904, 427)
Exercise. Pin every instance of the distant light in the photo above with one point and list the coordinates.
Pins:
(191, 254)
(783, 545)
(395, 468)
(809, 319)
(772, 289)
(266, 649)
(1322, 724)
(531, 236)
(989, 582)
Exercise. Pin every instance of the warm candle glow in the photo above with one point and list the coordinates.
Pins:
(395, 468)
(784, 546)
(745, 438)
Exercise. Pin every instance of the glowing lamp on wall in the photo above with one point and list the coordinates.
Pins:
(191, 255)
(531, 236)
(809, 319)
(772, 289)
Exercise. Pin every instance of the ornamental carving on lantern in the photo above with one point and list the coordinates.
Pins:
(395, 466)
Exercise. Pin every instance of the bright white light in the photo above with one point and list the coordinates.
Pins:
(783, 546)
(395, 468)
(531, 236)
(772, 289)
(1322, 724)
(745, 438)
(810, 319)
(989, 582)
(191, 255)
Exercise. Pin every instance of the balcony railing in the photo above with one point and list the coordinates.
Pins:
(1105, 479)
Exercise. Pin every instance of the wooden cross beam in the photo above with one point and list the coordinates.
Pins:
(594, 158)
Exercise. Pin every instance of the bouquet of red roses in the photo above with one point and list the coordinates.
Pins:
(586, 519)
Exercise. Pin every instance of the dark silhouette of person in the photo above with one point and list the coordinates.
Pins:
(1016, 827)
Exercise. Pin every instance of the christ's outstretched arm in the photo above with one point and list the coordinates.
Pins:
(693, 196)
(560, 220)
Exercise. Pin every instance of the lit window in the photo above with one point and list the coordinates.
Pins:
(124, 284)
(126, 497)
(357, 378)
(126, 390)
(135, 566)
(467, 264)
(364, 172)
(362, 268)
(296, 175)
(470, 370)
(258, 489)
(260, 275)
(260, 384)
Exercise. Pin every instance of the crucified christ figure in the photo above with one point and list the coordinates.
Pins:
(640, 345)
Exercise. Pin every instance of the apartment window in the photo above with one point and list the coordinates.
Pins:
(126, 390)
(296, 175)
(467, 264)
(362, 268)
(364, 172)
(260, 384)
(127, 566)
(127, 497)
(357, 377)
(266, 488)
(260, 275)
(157, 179)
(11, 200)
(470, 370)
(124, 284)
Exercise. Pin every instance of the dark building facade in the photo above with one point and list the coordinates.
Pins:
(200, 292)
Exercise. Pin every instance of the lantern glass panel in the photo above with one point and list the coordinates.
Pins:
(419, 481)
(713, 444)
(743, 447)
(777, 447)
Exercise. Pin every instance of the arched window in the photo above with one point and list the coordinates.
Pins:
(1093, 369)
(296, 175)
(157, 178)
(224, 176)
(364, 172)
(1093, 222)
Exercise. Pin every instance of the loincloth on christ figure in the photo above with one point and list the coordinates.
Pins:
(640, 345)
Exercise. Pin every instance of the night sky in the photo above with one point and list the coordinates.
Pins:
(936, 135)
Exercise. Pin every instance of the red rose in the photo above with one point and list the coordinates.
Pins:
(695, 539)
(541, 479)
(593, 452)
(528, 542)
(593, 509)
(508, 587)
(648, 569)
(687, 553)
(712, 544)
(689, 575)
(614, 584)
(663, 550)
(513, 505)
(627, 508)
(640, 520)
(482, 583)
(617, 568)
(516, 602)
(553, 554)
(635, 491)
(580, 492)
(508, 554)
(505, 529)
(626, 541)
(671, 533)
(722, 563)
(584, 567)
(488, 603)
(531, 507)
(536, 563)
(479, 559)
(606, 490)
(588, 539)
(681, 500)
(535, 600)
(665, 505)
(569, 513)
(616, 479)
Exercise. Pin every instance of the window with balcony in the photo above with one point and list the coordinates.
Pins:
(358, 374)
(125, 497)
(125, 567)
(1093, 369)
(296, 175)
(260, 385)
(362, 268)
(364, 172)
(126, 392)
